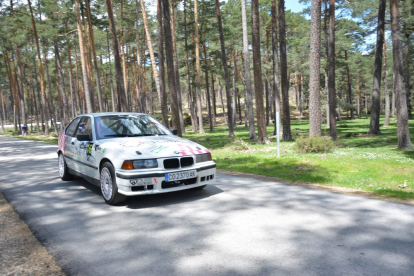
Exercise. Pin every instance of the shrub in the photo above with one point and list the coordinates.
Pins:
(314, 144)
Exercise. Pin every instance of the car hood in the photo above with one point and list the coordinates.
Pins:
(153, 146)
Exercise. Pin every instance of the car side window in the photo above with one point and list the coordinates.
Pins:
(85, 126)
(70, 131)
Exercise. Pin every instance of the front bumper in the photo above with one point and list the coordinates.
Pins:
(206, 174)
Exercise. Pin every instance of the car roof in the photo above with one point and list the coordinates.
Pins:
(112, 113)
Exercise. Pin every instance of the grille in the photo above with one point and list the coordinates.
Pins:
(171, 163)
(186, 161)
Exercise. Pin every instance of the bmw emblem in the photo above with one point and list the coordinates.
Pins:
(176, 152)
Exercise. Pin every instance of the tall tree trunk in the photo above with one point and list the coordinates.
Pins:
(33, 88)
(13, 89)
(403, 131)
(214, 98)
(141, 99)
(161, 63)
(407, 70)
(122, 104)
(3, 111)
(351, 108)
(113, 96)
(210, 118)
(197, 52)
(50, 106)
(257, 68)
(234, 94)
(359, 95)
(314, 69)
(177, 70)
(71, 85)
(170, 65)
(157, 78)
(276, 84)
(374, 127)
(190, 102)
(83, 57)
(21, 86)
(287, 135)
(226, 73)
(386, 92)
(42, 84)
(247, 77)
(331, 71)
(62, 84)
(95, 60)
(123, 50)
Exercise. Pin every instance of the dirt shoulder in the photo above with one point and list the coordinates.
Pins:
(20, 252)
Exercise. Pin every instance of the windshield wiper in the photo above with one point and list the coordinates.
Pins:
(118, 135)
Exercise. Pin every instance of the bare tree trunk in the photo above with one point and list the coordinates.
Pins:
(257, 67)
(407, 72)
(95, 61)
(374, 127)
(351, 108)
(62, 84)
(287, 135)
(359, 96)
(247, 77)
(42, 85)
(226, 74)
(71, 86)
(141, 90)
(190, 102)
(403, 131)
(157, 78)
(210, 118)
(276, 84)
(197, 53)
(88, 101)
(331, 71)
(3, 111)
(314, 69)
(21, 86)
(222, 103)
(122, 104)
(177, 70)
(386, 92)
(170, 67)
(161, 60)
(214, 98)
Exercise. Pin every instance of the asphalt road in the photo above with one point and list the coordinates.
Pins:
(237, 226)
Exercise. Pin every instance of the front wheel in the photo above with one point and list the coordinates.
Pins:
(63, 169)
(109, 188)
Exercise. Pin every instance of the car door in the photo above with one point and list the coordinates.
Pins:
(87, 161)
(70, 141)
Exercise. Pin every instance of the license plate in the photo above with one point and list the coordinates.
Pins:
(180, 175)
(141, 181)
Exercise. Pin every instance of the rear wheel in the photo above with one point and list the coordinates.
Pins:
(109, 188)
(63, 169)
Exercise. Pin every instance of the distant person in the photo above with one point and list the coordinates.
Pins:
(24, 130)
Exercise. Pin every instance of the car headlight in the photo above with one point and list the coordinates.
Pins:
(140, 164)
(203, 157)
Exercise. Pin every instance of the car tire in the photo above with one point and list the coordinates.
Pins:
(199, 188)
(63, 169)
(109, 189)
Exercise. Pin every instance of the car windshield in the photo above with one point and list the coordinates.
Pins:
(128, 126)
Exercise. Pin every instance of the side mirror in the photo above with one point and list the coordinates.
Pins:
(83, 137)
(174, 131)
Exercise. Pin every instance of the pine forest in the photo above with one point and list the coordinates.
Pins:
(199, 64)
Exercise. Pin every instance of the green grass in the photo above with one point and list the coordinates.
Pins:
(33, 136)
(362, 162)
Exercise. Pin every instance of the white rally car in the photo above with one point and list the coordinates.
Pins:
(128, 154)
